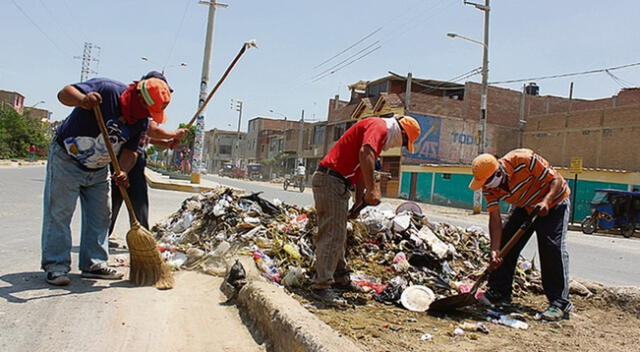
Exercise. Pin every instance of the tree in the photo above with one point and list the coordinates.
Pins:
(276, 163)
(18, 131)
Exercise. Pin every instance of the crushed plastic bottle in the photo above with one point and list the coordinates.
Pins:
(292, 251)
(506, 320)
(266, 265)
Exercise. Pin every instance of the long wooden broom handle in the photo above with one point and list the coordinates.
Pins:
(114, 162)
(224, 76)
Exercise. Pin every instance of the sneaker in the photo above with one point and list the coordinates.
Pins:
(57, 278)
(328, 296)
(497, 298)
(103, 273)
(555, 313)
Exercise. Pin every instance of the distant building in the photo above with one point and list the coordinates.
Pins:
(224, 146)
(13, 99)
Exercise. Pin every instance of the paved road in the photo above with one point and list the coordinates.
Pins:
(612, 260)
(100, 315)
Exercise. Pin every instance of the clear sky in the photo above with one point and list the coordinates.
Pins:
(527, 39)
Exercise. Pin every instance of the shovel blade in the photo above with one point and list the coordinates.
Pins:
(453, 302)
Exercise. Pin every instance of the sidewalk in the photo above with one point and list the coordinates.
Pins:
(160, 181)
(19, 162)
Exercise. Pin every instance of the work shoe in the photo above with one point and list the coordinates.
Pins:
(555, 313)
(57, 278)
(105, 273)
(497, 298)
(328, 296)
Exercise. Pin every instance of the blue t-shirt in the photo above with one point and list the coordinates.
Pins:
(80, 133)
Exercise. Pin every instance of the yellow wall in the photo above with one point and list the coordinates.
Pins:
(630, 178)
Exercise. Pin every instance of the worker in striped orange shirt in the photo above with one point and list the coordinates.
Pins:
(526, 180)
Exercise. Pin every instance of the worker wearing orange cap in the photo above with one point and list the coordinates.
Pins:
(351, 161)
(77, 168)
(526, 180)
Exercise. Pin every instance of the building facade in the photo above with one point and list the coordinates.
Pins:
(223, 146)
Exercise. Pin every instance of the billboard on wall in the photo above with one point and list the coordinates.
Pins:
(427, 146)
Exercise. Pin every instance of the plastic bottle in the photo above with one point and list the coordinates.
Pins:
(266, 265)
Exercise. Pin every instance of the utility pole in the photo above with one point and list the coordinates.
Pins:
(85, 68)
(485, 77)
(238, 108)
(300, 136)
(198, 142)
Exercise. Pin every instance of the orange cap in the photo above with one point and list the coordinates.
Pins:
(412, 128)
(156, 95)
(483, 166)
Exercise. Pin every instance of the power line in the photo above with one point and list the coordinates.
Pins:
(347, 59)
(348, 48)
(349, 63)
(175, 41)
(566, 74)
(40, 29)
(66, 33)
(391, 36)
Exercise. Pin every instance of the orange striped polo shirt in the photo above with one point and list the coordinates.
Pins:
(528, 178)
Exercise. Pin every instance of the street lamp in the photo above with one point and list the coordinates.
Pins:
(38, 103)
(164, 68)
(482, 127)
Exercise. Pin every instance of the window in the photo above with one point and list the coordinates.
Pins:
(318, 134)
(339, 130)
(225, 149)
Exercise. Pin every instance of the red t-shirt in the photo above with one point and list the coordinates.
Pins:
(344, 157)
(32, 149)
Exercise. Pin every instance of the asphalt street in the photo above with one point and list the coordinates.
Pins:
(100, 315)
(608, 259)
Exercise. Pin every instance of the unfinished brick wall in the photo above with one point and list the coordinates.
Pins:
(604, 138)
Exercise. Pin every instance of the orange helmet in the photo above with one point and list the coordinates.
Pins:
(412, 128)
(483, 166)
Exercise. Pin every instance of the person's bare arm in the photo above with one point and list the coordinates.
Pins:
(554, 188)
(367, 164)
(155, 131)
(127, 160)
(71, 96)
(495, 233)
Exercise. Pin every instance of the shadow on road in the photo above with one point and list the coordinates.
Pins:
(30, 286)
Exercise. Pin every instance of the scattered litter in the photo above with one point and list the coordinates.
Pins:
(426, 337)
(506, 320)
(417, 298)
(458, 332)
(392, 252)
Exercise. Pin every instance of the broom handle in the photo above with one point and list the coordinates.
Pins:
(114, 162)
(224, 76)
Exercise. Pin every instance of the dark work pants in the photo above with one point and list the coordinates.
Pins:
(137, 193)
(551, 231)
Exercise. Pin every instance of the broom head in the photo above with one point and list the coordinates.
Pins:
(146, 265)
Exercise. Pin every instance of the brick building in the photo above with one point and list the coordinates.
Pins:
(601, 132)
(13, 99)
(268, 136)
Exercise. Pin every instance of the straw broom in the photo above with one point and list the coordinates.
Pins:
(146, 266)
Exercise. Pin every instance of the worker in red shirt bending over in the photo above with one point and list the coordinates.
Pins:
(351, 161)
(527, 181)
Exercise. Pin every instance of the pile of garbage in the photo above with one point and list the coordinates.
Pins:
(389, 250)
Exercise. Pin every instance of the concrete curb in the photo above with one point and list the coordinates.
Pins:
(159, 183)
(282, 320)
(286, 324)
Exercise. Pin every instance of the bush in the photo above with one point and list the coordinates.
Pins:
(17, 132)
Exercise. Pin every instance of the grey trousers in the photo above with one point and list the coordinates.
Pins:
(331, 198)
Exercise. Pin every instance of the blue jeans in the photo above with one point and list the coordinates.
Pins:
(66, 180)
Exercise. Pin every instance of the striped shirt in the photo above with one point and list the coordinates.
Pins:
(529, 179)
